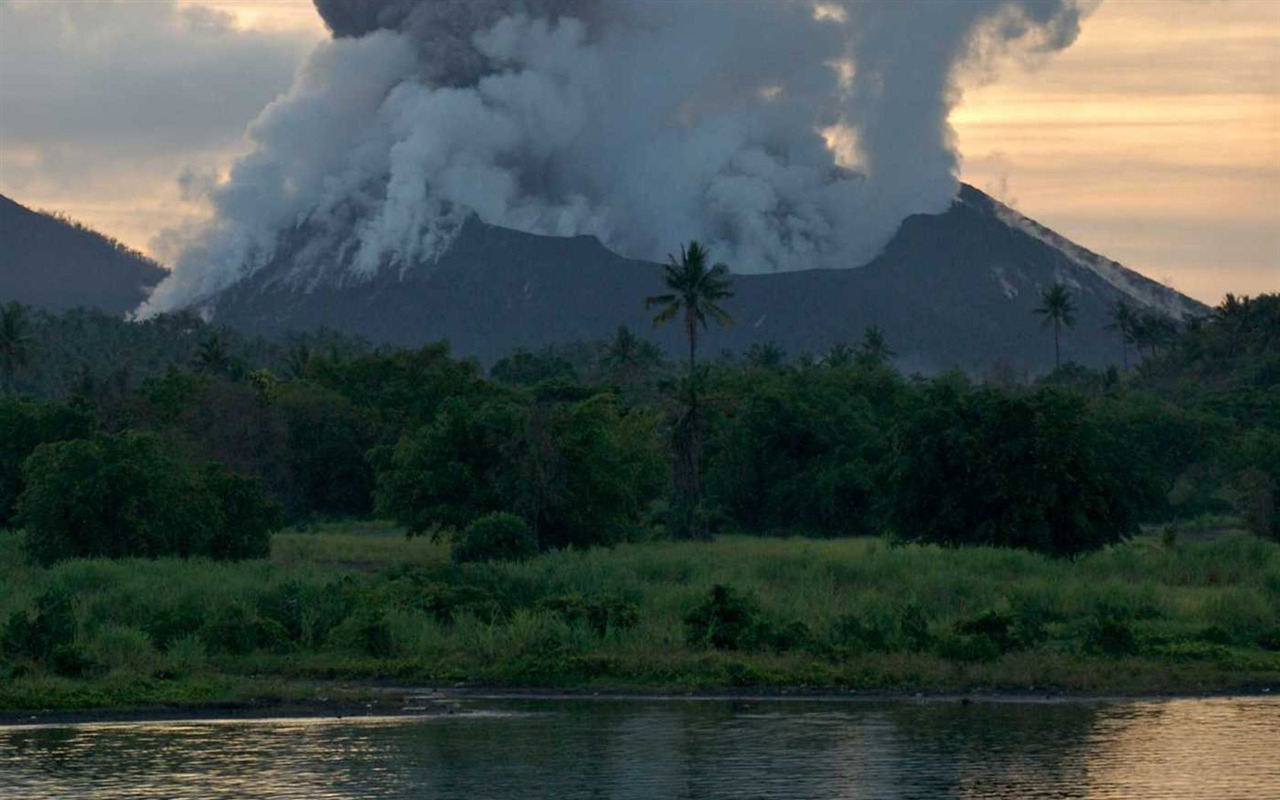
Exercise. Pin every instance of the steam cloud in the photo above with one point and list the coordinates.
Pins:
(786, 134)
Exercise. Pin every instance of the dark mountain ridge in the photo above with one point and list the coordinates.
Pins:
(950, 290)
(51, 262)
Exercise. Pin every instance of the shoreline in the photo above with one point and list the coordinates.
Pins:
(372, 702)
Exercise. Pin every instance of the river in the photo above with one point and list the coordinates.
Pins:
(563, 749)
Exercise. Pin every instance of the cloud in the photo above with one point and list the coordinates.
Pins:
(104, 101)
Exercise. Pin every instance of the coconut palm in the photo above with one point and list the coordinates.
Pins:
(839, 356)
(627, 358)
(696, 291)
(1059, 310)
(766, 355)
(873, 350)
(1123, 317)
(15, 343)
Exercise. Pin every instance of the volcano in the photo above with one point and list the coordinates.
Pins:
(951, 290)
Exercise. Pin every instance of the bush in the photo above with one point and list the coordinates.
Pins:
(1110, 635)
(725, 620)
(1257, 499)
(124, 496)
(601, 614)
(37, 636)
(983, 467)
(245, 519)
(366, 631)
(233, 629)
(495, 537)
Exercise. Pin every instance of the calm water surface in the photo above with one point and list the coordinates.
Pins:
(1216, 749)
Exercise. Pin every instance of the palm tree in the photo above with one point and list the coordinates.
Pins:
(1123, 317)
(213, 354)
(15, 343)
(627, 358)
(873, 350)
(696, 291)
(1059, 310)
(766, 355)
(839, 356)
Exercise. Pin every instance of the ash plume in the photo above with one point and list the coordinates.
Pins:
(786, 135)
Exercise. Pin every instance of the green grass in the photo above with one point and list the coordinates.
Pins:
(360, 602)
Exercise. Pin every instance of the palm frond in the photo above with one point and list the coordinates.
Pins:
(666, 314)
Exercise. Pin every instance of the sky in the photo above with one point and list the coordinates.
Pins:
(1153, 140)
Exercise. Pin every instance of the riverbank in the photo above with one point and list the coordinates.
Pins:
(341, 701)
(361, 607)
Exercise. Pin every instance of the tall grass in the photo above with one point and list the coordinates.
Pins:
(348, 602)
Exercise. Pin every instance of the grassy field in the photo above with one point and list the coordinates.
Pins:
(359, 602)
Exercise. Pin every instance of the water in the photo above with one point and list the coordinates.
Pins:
(1217, 749)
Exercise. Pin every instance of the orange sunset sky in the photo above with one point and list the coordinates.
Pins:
(1154, 139)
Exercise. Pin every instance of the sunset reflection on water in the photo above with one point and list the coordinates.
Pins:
(1195, 748)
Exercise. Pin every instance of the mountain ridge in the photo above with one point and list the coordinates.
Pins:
(955, 289)
(51, 262)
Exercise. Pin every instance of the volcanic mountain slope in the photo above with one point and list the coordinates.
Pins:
(47, 261)
(950, 290)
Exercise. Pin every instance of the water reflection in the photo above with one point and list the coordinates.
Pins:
(1218, 748)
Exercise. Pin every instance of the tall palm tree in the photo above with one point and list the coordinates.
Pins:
(873, 350)
(1059, 310)
(15, 343)
(696, 291)
(1123, 317)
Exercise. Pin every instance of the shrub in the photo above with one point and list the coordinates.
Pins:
(859, 634)
(1111, 636)
(601, 614)
(71, 661)
(38, 636)
(1257, 499)
(366, 631)
(246, 516)
(125, 496)
(122, 647)
(495, 537)
(725, 620)
(233, 629)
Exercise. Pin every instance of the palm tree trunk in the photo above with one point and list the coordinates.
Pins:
(1057, 360)
(688, 447)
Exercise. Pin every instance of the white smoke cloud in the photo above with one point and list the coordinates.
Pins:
(786, 135)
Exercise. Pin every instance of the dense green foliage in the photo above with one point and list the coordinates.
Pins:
(579, 471)
(118, 496)
(24, 425)
(1187, 614)
(603, 442)
(1033, 470)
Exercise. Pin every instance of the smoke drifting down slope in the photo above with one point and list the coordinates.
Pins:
(787, 135)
